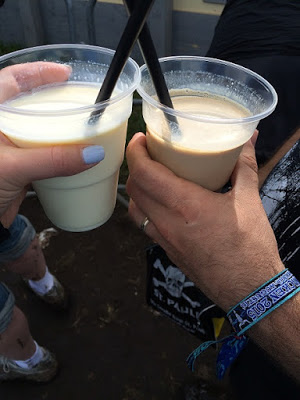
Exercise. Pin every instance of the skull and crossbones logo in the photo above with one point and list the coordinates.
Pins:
(175, 282)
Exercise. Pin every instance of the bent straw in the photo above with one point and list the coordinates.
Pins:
(131, 32)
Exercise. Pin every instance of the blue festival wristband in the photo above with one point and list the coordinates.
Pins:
(245, 314)
(262, 301)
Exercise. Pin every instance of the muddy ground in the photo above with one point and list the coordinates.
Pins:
(109, 343)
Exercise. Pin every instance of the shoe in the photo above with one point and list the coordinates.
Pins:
(56, 296)
(44, 371)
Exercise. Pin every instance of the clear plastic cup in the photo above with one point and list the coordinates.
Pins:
(58, 114)
(217, 106)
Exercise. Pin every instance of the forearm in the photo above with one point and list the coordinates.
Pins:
(223, 242)
(279, 335)
(278, 330)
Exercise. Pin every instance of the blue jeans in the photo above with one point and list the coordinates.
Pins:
(21, 235)
(7, 302)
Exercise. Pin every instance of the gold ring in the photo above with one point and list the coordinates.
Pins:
(144, 224)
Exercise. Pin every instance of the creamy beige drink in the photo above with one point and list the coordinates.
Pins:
(217, 106)
(86, 200)
(202, 152)
(56, 88)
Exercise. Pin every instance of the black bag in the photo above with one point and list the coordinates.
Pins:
(171, 293)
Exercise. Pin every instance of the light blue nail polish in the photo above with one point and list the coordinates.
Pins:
(93, 154)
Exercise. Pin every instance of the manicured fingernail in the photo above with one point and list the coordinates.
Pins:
(93, 154)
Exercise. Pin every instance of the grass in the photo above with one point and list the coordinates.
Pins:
(135, 124)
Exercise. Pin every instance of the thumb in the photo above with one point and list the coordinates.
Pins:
(26, 165)
(244, 178)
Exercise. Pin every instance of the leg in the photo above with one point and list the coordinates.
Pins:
(32, 264)
(20, 356)
(22, 254)
(16, 341)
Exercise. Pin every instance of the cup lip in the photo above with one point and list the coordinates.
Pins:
(195, 117)
(74, 110)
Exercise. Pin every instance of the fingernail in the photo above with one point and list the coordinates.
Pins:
(69, 68)
(93, 154)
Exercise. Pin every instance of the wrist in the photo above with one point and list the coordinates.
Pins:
(285, 315)
(269, 316)
(277, 334)
(249, 283)
(264, 300)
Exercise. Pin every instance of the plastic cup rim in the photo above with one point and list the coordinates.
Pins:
(252, 118)
(74, 110)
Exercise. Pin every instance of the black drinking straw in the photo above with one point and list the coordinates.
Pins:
(151, 59)
(131, 32)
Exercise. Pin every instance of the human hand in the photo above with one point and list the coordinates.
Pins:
(223, 242)
(19, 167)
(24, 77)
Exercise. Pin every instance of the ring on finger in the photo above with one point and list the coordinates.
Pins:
(144, 224)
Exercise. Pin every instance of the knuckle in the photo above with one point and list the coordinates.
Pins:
(128, 148)
(58, 161)
(11, 167)
(138, 173)
(187, 210)
(251, 162)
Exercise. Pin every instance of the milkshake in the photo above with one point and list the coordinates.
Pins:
(59, 113)
(68, 201)
(204, 153)
(216, 108)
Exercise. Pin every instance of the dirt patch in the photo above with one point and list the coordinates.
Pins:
(109, 343)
